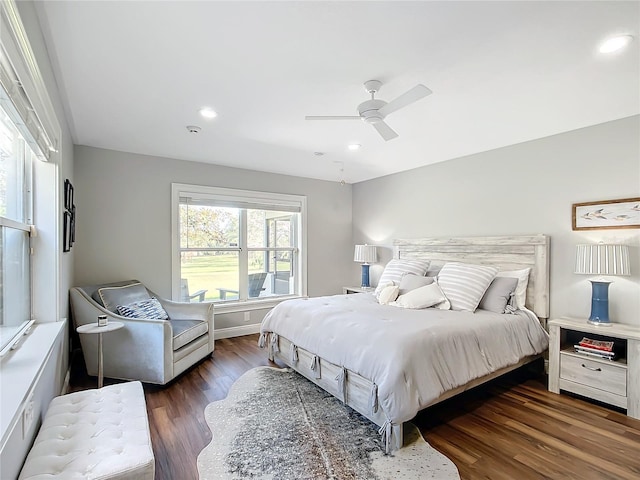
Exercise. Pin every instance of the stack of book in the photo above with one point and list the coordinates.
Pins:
(595, 348)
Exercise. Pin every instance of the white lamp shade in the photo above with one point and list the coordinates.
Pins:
(603, 259)
(365, 254)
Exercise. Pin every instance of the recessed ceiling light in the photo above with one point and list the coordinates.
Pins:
(318, 154)
(207, 112)
(354, 146)
(614, 44)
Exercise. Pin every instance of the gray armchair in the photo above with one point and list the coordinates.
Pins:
(149, 350)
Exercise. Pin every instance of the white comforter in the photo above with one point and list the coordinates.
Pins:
(412, 355)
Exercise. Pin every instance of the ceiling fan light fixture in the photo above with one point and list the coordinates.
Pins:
(616, 43)
(374, 111)
(208, 112)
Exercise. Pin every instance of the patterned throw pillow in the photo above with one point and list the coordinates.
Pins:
(145, 309)
(464, 284)
(395, 269)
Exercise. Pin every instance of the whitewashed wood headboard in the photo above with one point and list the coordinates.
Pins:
(503, 252)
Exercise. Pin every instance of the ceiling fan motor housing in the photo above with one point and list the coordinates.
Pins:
(369, 111)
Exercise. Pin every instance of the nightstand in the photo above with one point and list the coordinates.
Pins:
(358, 289)
(616, 382)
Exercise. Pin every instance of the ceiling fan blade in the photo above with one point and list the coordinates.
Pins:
(385, 131)
(413, 95)
(329, 117)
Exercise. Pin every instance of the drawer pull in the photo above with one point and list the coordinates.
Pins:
(591, 368)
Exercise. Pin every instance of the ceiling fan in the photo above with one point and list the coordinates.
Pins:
(374, 111)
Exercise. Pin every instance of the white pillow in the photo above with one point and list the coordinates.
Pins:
(464, 284)
(394, 270)
(388, 294)
(520, 293)
(423, 297)
(411, 282)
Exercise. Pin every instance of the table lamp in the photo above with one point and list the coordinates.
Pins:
(601, 259)
(365, 254)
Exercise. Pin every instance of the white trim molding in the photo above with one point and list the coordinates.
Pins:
(239, 331)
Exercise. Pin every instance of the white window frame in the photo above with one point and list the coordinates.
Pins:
(179, 190)
(27, 101)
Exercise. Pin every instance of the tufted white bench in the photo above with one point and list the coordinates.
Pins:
(94, 434)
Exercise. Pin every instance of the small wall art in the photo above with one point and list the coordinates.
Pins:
(606, 214)
(69, 217)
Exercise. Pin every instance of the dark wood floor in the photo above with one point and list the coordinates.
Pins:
(511, 428)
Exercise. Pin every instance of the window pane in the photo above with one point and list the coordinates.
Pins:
(12, 179)
(208, 227)
(269, 228)
(15, 293)
(270, 273)
(214, 272)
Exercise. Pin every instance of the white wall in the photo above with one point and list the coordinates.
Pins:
(521, 189)
(40, 382)
(124, 219)
(53, 174)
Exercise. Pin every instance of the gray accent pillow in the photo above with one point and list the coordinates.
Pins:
(411, 281)
(498, 294)
(124, 295)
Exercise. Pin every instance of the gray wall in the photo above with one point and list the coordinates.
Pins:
(522, 189)
(124, 219)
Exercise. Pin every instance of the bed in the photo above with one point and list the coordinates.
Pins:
(388, 362)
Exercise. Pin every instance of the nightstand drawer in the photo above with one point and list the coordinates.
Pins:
(609, 377)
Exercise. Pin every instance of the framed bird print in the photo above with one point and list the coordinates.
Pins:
(623, 213)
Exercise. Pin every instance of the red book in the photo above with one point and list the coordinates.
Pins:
(597, 344)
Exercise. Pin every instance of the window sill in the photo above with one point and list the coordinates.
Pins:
(248, 305)
(21, 370)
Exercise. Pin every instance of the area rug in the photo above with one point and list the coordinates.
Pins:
(277, 425)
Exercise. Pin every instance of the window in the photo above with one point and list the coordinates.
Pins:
(235, 246)
(16, 157)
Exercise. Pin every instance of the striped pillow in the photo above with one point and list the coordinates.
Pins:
(464, 284)
(395, 269)
(146, 309)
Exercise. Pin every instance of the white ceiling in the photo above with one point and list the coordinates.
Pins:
(134, 74)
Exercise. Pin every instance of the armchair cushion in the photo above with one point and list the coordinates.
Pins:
(145, 309)
(185, 331)
(122, 295)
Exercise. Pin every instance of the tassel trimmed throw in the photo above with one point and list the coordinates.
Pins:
(262, 340)
(342, 383)
(294, 353)
(315, 366)
(373, 399)
(273, 345)
(386, 430)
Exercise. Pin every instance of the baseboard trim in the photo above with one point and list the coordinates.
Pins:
(236, 331)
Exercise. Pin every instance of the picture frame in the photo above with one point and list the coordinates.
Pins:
(69, 217)
(606, 214)
(68, 195)
(72, 233)
(66, 231)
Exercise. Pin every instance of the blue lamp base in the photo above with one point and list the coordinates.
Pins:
(365, 276)
(600, 303)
